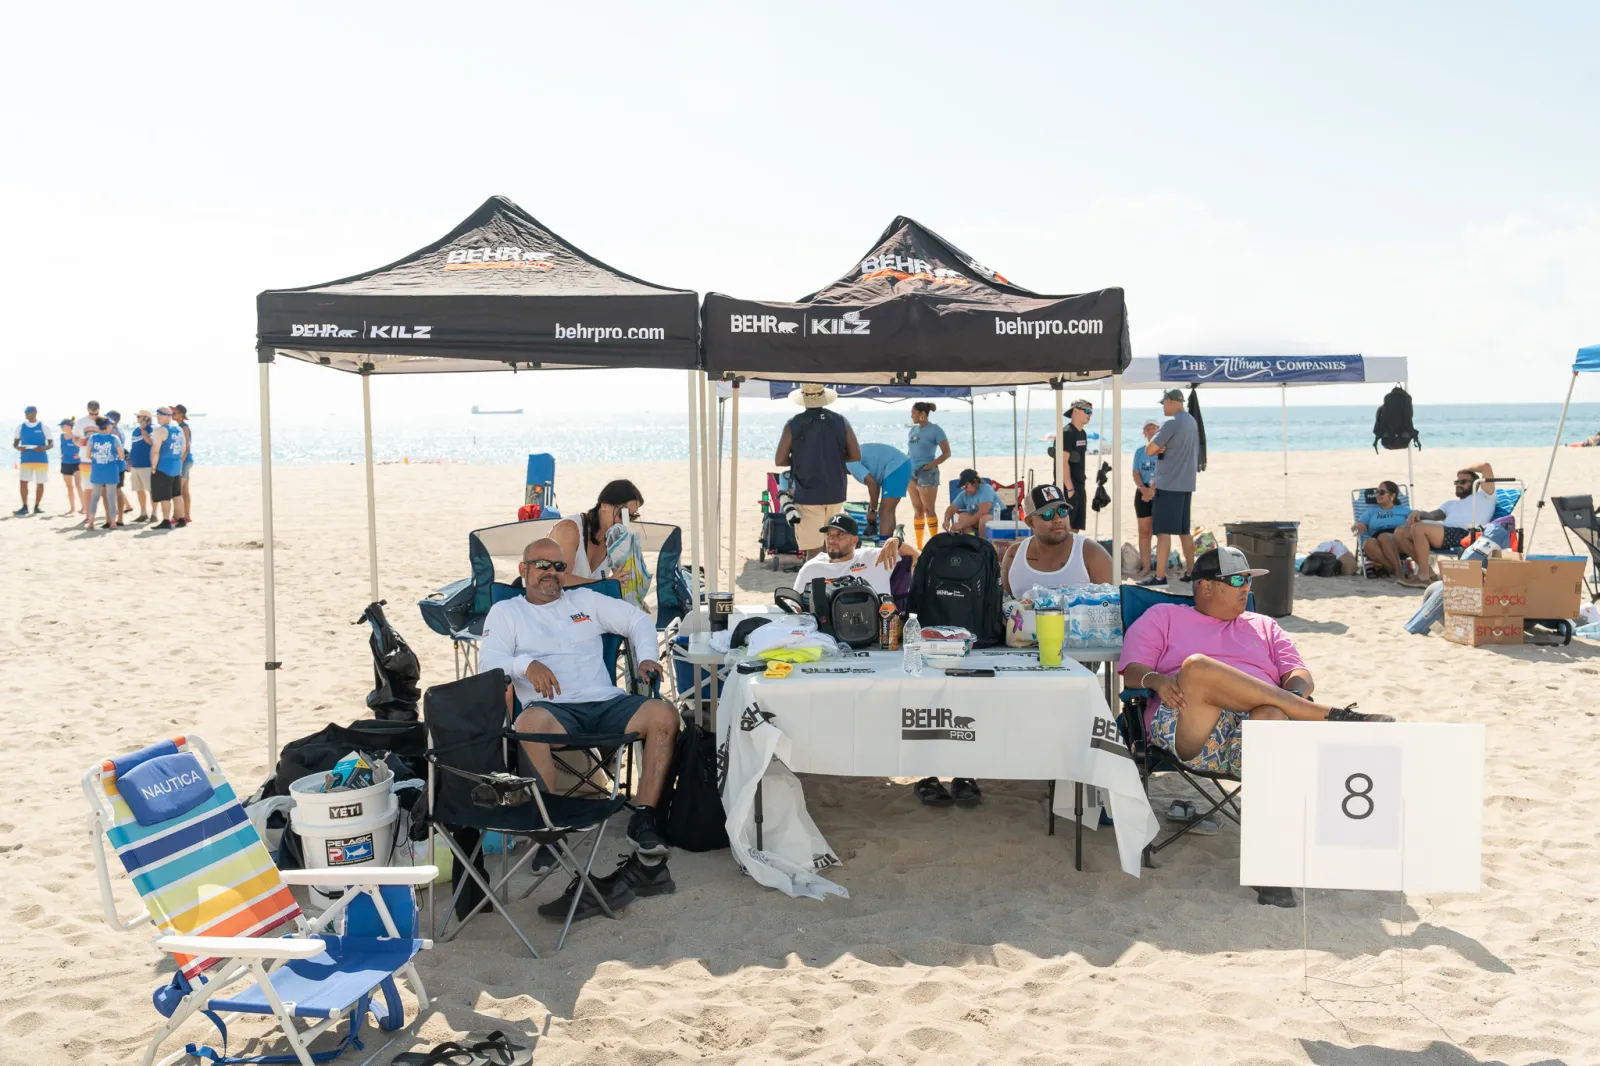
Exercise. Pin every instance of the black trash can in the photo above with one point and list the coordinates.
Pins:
(1269, 546)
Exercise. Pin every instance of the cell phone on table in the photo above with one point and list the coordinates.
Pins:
(961, 671)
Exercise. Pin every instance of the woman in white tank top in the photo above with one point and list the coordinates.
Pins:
(1022, 577)
(582, 537)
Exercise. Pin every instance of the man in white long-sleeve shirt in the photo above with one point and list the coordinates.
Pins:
(549, 643)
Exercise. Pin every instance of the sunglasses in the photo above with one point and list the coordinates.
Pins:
(546, 564)
(1050, 514)
(1237, 581)
(1465, 480)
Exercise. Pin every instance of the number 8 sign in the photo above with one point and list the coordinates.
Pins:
(1357, 801)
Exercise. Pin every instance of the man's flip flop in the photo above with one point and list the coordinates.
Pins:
(965, 791)
(931, 791)
(493, 1050)
(1183, 811)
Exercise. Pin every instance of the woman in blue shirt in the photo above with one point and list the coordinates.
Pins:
(1378, 523)
(927, 446)
(69, 468)
(105, 459)
(1144, 480)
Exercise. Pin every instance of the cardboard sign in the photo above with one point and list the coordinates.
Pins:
(1475, 631)
(1360, 805)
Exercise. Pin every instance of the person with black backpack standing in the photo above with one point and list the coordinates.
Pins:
(815, 446)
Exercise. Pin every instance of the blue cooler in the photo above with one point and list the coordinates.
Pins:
(1001, 529)
(684, 674)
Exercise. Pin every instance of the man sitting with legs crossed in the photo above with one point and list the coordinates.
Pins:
(1215, 665)
(548, 641)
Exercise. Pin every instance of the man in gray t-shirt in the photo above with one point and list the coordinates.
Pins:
(1176, 448)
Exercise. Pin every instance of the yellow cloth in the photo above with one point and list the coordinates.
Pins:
(791, 655)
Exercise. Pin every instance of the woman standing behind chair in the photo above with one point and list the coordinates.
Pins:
(583, 538)
(922, 443)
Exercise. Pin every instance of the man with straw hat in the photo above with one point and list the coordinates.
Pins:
(815, 446)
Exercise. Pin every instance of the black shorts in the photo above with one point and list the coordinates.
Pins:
(164, 487)
(1141, 506)
(122, 478)
(1170, 513)
(69, 469)
(1453, 536)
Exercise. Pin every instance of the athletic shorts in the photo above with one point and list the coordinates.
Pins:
(928, 479)
(164, 487)
(812, 515)
(69, 469)
(141, 477)
(893, 486)
(1141, 506)
(34, 473)
(1453, 536)
(1223, 751)
(599, 716)
(122, 478)
(1170, 513)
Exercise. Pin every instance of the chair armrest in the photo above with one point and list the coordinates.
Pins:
(242, 947)
(358, 876)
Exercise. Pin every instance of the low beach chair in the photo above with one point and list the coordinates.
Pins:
(470, 740)
(1579, 520)
(1507, 499)
(1360, 500)
(1148, 756)
(224, 913)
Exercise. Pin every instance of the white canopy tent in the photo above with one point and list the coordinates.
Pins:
(1587, 362)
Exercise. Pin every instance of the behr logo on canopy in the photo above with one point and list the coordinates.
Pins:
(320, 329)
(760, 324)
(399, 333)
(506, 257)
(935, 723)
(906, 268)
(850, 322)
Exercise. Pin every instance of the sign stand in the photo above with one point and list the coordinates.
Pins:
(1305, 905)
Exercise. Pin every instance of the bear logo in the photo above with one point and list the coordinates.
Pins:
(963, 723)
(788, 327)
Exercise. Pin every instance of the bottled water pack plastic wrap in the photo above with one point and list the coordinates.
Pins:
(1094, 612)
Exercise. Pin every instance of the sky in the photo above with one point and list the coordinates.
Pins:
(1413, 180)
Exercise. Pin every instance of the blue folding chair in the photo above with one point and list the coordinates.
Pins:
(1148, 756)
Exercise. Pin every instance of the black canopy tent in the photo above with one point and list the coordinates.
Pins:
(918, 310)
(500, 291)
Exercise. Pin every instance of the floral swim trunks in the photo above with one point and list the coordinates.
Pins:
(1222, 753)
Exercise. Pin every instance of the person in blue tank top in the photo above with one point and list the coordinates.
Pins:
(32, 443)
(105, 458)
(886, 472)
(167, 445)
(140, 464)
(69, 468)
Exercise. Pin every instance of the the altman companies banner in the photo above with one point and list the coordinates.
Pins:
(1262, 369)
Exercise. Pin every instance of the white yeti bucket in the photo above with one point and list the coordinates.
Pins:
(338, 829)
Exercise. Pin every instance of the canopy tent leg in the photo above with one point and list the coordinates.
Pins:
(372, 497)
(1100, 452)
(716, 477)
(1283, 402)
(1016, 462)
(733, 492)
(1058, 469)
(1027, 424)
(1411, 477)
(707, 503)
(972, 418)
(1118, 486)
(1554, 448)
(268, 579)
(696, 523)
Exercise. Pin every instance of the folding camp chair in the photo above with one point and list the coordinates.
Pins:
(1360, 500)
(1148, 756)
(1506, 502)
(1578, 519)
(213, 894)
(470, 738)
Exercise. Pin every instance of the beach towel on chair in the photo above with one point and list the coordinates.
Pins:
(625, 564)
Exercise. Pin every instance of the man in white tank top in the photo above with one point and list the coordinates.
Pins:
(1053, 556)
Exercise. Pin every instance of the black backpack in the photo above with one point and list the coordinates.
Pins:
(1392, 428)
(957, 583)
(1320, 564)
(692, 817)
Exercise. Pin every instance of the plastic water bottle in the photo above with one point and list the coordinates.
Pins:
(911, 646)
(1589, 632)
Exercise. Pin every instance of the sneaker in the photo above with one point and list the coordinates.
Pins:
(165, 523)
(1153, 580)
(179, 523)
(646, 879)
(644, 834)
(21, 512)
(617, 895)
(1276, 897)
(1350, 714)
(35, 508)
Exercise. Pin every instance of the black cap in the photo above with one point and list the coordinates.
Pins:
(843, 523)
(969, 475)
(1044, 495)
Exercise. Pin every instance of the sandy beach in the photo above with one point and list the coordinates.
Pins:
(968, 937)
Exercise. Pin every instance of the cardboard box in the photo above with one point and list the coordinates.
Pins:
(1475, 631)
(1509, 586)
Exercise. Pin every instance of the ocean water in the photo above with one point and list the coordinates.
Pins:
(468, 438)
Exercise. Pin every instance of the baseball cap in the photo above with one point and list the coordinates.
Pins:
(843, 523)
(65, 422)
(143, 412)
(30, 410)
(1081, 405)
(1153, 422)
(1043, 496)
(1223, 562)
(1173, 394)
(969, 476)
(115, 416)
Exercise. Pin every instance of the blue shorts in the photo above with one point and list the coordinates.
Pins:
(928, 479)
(893, 486)
(188, 465)
(599, 716)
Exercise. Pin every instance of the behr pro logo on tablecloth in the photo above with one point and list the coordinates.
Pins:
(935, 723)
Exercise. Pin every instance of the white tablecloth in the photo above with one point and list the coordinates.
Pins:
(863, 716)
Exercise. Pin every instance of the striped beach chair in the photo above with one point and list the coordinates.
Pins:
(225, 914)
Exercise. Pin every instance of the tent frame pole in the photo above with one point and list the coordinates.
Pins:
(1411, 476)
(1027, 426)
(707, 504)
(1118, 486)
(268, 575)
(1059, 469)
(696, 520)
(733, 491)
(1548, 470)
(972, 423)
(1283, 401)
(372, 497)
(1016, 461)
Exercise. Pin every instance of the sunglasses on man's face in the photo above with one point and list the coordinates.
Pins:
(1464, 480)
(1050, 514)
(546, 564)
(1237, 581)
